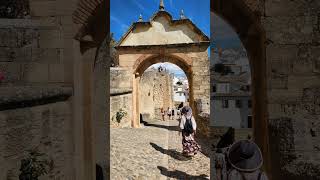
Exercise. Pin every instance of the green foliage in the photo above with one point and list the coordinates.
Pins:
(35, 165)
(120, 114)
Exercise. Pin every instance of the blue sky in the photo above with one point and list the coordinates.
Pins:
(124, 12)
(222, 34)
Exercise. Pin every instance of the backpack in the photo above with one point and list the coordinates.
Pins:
(188, 127)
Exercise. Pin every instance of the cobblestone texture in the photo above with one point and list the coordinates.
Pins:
(153, 152)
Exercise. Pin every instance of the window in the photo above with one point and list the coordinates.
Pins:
(214, 89)
(249, 121)
(223, 88)
(249, 104)
(225, 103)
(238, 103)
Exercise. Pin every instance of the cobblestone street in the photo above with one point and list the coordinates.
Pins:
(154, 152)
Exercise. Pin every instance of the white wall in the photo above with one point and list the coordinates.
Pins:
(231, 116)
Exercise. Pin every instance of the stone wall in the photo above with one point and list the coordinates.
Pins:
(35, 108)
(155, 93)
(201, 81)
(117, 103)
(120, 97)
(293, 86)
(46, 127)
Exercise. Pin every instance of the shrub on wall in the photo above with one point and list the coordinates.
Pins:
(120, 115)
(36, 164)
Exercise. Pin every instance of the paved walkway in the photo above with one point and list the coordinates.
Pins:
(152, 153)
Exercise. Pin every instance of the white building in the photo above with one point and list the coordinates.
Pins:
(181, 92)
(231, 97)
(231, 110)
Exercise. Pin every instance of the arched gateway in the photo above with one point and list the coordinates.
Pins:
(163, 39)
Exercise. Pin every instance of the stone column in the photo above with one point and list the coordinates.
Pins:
(135, 101)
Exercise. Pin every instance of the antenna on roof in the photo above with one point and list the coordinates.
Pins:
(161, 6)
(182, 16)
(140, 18)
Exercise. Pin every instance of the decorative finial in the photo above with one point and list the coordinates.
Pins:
(140, 18)
(182, 16)
(161, 6)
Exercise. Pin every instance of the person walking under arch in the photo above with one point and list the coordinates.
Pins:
(188, 127)
(172, 113)
(162, 114)
(169, 113)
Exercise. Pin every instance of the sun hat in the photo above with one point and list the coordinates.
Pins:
(245, 155)
(187, 111)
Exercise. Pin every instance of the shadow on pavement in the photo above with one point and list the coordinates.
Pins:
(181, 175)
(170, 128)
(205, 145)
(171, 152)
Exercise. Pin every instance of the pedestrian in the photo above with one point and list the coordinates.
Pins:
(227, 139)
(219, 169)
(162, 114)
(246, 160)
(180, 110)
(169, 113)
(172, 113)
(180, 106)
(188, 127)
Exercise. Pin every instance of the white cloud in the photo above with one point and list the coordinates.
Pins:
(171, 3)
(170, 67)
(122, 25)
(140, 6)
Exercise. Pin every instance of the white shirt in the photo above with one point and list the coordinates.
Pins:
(183, 121)
(235, 175)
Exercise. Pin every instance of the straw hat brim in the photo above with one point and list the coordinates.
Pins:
(247, 165)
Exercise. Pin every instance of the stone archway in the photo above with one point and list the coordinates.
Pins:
(177, 41)
(248, 26)
(184, 62)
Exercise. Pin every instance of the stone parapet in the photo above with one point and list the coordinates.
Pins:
(26, 96)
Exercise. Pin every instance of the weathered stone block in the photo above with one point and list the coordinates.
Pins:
(304, 63)
(47, 55)
(68, 32)
(65, 20)
(274, 110)
(282, 96)
(56, 72)
(18, 37)
(62, 9)
(15, 54)
(311, 95)
(35, 72)
(278, 81)
(287, 30)
(43, 8)
(290, 8)
(12, 71)
(300, 82)
(315, 56)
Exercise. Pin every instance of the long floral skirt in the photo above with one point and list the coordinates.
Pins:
(189, 145)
